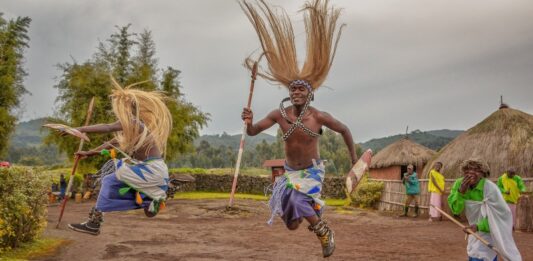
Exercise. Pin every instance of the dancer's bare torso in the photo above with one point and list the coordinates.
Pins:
(300, 147)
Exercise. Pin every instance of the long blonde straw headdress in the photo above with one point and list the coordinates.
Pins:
(145, 119)
(276, 36)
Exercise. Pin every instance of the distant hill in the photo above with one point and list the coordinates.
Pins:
(233, 141)
(446, 133)
(26, 145)
(434, 140)
(28, 134)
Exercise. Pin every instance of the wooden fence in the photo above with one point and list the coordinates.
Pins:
(393, 195)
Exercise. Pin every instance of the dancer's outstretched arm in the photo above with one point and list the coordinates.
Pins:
(97, 150)
(101, 128)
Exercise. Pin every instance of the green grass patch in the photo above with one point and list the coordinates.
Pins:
(38, 248)
(335, 202)
(216, 195)
(222, 171)
(221, 195)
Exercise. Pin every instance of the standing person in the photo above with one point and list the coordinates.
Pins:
(486, 211)
(412, 190)
(141, 180)
(296, 194)
(62, 187)
(511, 185)
(436, 189)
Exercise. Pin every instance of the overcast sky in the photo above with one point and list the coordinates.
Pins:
(427, 64)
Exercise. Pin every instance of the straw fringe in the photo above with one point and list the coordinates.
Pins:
(276, 37)
(503, 140)
(132, 107)
(402, 152)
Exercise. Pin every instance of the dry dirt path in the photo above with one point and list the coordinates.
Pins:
(202, 230)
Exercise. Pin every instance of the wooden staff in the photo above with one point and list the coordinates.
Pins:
(75, 166)
(470, 231)
(241, 145)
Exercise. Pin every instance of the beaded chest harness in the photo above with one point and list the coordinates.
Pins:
(298, 123)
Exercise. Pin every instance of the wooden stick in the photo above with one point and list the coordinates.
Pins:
(75, 166)
(241, 145)
(470, 231)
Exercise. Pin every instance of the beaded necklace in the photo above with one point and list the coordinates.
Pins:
(298, 123)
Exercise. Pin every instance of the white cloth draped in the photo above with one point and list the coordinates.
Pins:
(500, 220)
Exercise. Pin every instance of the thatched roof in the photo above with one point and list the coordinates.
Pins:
(503, 140)
(402, 152)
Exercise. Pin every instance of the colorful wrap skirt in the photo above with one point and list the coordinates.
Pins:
(296, 194)
(118, 190)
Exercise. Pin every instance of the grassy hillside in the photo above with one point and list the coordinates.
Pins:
(233, 141)
(434, 140)
(28, 134)
(446, 133)
(26, 145)
(26, 142)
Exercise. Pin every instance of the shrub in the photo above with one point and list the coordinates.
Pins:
(23, 204)
(367, 193)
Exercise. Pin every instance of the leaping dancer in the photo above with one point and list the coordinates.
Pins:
(141, 179)
(296, 195)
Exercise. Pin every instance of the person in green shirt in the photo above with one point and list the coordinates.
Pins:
(486, 211)
(469, 187)
(511, 185)
(412, 189)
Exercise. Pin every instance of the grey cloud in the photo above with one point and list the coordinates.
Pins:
(426, 64)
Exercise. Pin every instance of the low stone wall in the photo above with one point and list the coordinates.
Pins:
(333, 186)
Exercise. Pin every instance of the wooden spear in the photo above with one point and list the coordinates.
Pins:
(75, 166)
(241, 145)
(470, 231)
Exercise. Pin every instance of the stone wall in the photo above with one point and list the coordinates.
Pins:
(333, 186)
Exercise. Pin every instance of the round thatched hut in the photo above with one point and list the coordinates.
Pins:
(503, 140)
(391, 162)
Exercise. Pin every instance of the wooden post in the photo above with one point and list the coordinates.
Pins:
(241, 145)
(524, 213)
(471, 232)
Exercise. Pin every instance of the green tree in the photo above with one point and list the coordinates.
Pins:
(13, 41)
(333, 149)
(121, 45)
(77, 85)
(144, 63)
(130, 58)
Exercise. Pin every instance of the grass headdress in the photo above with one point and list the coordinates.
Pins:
(276, 36)
(145, 119)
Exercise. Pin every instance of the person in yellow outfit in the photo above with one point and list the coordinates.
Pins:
(436, 190)
(511, 185)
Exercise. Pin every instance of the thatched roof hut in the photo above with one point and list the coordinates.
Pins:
(392, 161)
(503, 140)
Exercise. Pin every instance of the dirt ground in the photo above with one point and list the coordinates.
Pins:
(203, 230)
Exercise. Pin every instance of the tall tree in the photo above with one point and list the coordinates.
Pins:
(121, 45)
(129, 60)
(144, 63)
(13, 41)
